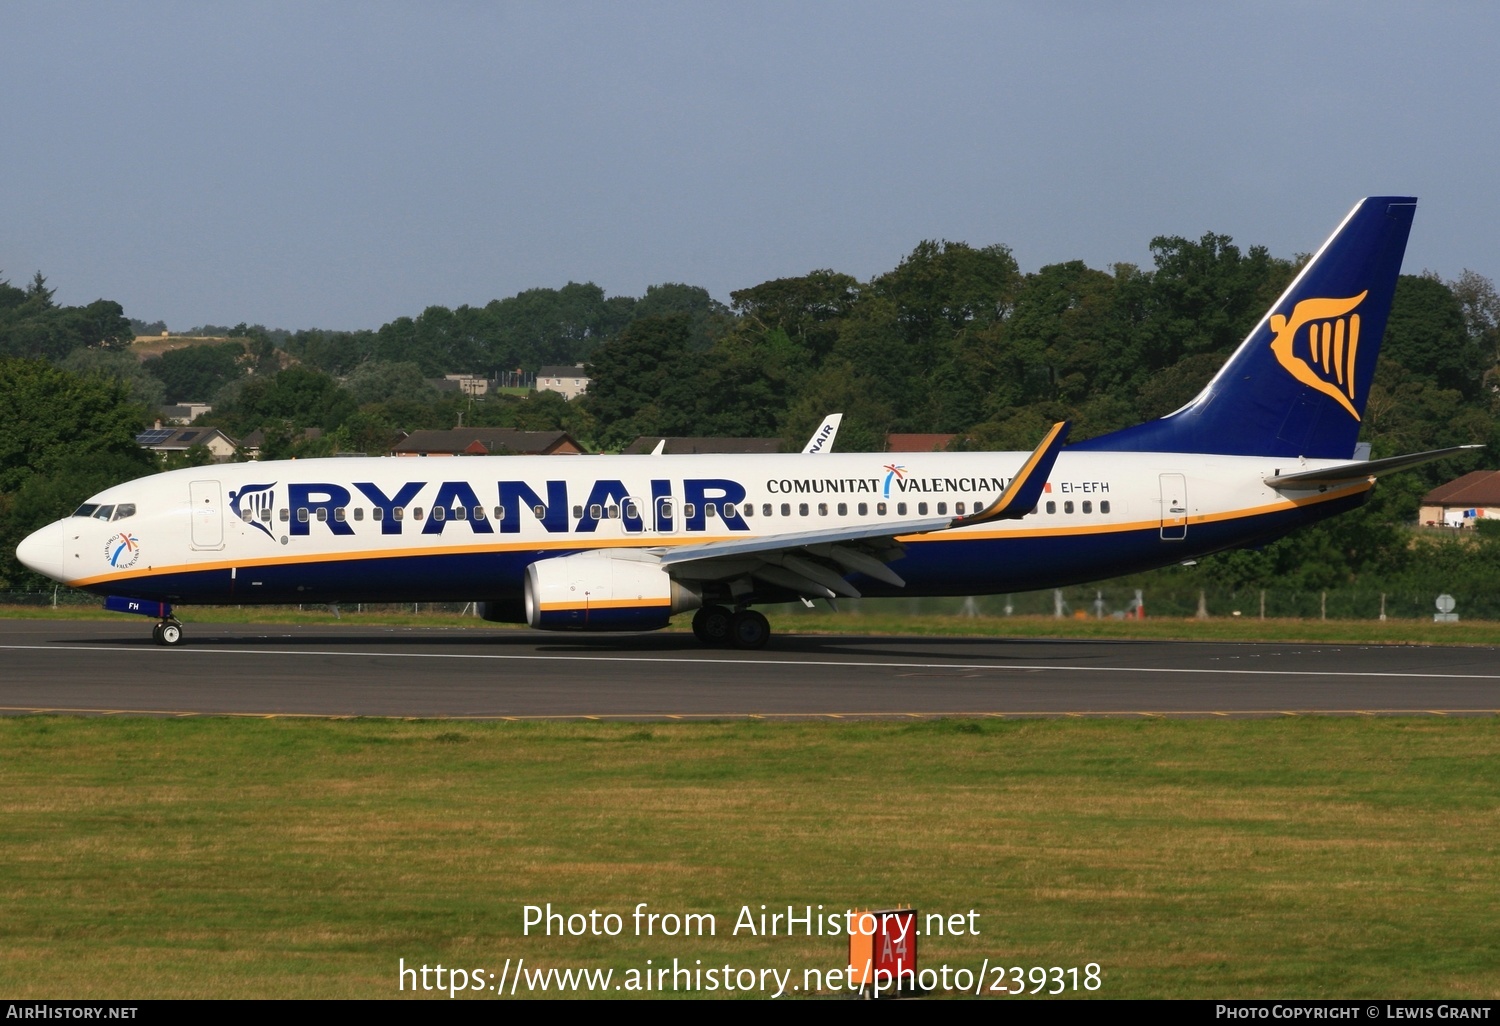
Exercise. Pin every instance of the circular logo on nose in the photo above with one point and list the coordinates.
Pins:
(122, 550)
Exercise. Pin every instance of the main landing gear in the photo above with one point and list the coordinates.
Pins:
(168, 632)
(717, 627)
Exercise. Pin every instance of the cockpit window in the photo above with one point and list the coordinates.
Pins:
(124, 509)
(86, 510)
(104, 512)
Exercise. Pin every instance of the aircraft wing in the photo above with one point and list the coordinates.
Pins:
(1363, 468)
(815, 562)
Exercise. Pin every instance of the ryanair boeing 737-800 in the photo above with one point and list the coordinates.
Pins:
(617, 543)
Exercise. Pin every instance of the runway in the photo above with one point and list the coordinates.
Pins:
(113, 668)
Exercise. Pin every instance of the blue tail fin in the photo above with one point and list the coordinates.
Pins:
(1297, 385)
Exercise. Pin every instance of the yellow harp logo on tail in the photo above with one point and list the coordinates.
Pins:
(1323, 356)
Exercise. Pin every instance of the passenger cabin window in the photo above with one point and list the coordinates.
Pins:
(1051, 507)
(748, 509)
(302, 514)
(880, 509)
(398, 513)
(416, 512)
(689, 510)
(478, 512)
(901, 509)
(958, 509)
(439, 514)
(340, 514)
(284, 514)
(1068, 506)
(802, 509)
(786, 509)
(596, 512)
(1104, 506)
(377, 514)
(322, 514)
(499, 512)
(864, 509)
(843, 509)
(359, 512)
(632, 511)
(942, 509)
(822, 509)
(1088, 506)
(921, 509)
(710, 510)
(539, 511)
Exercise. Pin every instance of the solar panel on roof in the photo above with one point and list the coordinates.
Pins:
(154, 436)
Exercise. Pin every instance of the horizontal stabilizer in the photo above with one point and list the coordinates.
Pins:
(1364, 468)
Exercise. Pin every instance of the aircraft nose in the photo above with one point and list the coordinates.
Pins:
(42, 551)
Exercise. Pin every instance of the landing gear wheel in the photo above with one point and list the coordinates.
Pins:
(168, 633)
(748, 629)
(156, 633)
(711, 626)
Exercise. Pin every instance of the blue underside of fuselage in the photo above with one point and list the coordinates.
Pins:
(979, 566)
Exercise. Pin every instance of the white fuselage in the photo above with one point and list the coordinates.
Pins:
(462, 528)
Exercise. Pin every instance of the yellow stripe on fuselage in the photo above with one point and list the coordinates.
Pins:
(657, 542)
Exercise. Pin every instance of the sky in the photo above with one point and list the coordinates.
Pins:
(338, 165)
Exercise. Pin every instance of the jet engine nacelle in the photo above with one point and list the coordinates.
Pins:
(604, 591)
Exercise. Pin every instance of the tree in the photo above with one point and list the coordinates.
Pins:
(644, 381)
(62, 437)
(298, 396)
(708, 319)
(807, 310)
(1428, 336)
(379, 381)
(197, 373)
(146, 389)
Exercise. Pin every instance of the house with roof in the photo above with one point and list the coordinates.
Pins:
(570, 381)
(1461, 502)
(482, 441)
(167, 440)
(899, 442)
(676, 446)
(252, 443)
(184, 413)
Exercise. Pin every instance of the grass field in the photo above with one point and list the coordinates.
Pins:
(1299, 857)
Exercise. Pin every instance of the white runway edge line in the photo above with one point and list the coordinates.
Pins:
(698, 660)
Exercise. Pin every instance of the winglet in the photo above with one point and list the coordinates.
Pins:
(822, 439)
(1021, 495)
